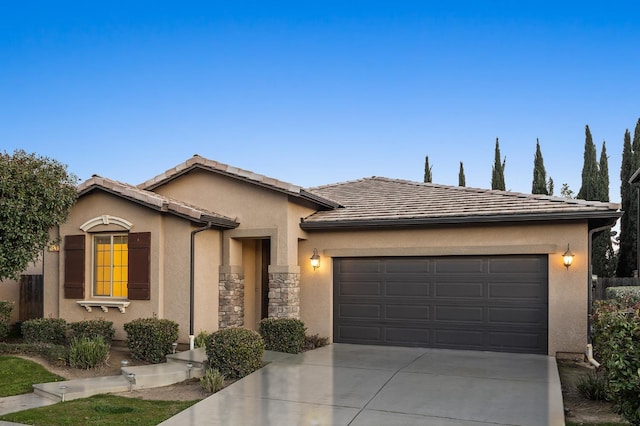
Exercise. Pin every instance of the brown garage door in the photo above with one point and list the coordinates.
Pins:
(492, 303)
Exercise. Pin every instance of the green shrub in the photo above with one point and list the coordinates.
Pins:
(617, 339)
(45, 330)
(92, 328)
(150, 339)
(235, 352)
(628, 295)
(283, 334)
(55, 354)
(88, 352)
(314, 341)
(201, 339)
(6, 307)
(212, 381)
(593, 386)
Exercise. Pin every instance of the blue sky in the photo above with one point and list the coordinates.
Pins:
(318, 92)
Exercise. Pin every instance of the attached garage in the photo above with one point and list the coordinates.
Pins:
(492, 303)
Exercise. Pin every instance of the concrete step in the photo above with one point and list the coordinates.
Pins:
(157, 375)
(197, 357)
(179, 367)
(81, 388)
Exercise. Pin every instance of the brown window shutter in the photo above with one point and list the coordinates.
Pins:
(139, 266)
(74, 267)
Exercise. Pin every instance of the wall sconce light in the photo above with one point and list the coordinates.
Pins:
(315, 259)
(567, 257)
(53, 248)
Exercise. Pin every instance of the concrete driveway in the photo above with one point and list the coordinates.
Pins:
(361, 385)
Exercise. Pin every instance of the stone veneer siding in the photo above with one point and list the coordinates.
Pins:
(231, 310)
(284, 295)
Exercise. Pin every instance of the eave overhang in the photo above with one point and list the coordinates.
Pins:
(596, 219)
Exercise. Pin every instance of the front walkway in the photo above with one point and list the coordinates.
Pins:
(361, 385)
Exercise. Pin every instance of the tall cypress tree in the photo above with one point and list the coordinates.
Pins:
(627, 251)
(427, 170)
(539, 185)
(462, 181)
(550, 187)
(603, 257)
(633, 195)
(497, 173)
(603, 171)
(590, 175)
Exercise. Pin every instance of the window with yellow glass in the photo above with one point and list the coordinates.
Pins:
(111, 269)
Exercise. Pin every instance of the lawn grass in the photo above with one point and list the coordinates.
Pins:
(17, 375)
(103, 410)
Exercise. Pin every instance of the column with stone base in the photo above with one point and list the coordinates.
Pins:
(284, 292)
(231, 309)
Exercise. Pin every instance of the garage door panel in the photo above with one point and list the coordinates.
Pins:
(407, 312)
(467, 314)
(517, 265)
(394, 288)
(409, 266)
(524, 315)
(468, 302)
(368, 311)
(458, 339)
(407, 336)
(361, 289)
(526, 290)
(359, 334)
(459, 289)
(360, 266)
(460, 265)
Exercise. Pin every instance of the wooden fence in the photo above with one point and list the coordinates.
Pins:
(601, 285)
(31, 297)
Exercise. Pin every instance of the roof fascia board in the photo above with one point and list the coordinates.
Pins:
(455, 220)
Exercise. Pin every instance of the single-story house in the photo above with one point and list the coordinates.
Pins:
(404, 263)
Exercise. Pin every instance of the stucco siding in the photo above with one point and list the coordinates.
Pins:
(169, 267)
(567, 288)
(261, 212)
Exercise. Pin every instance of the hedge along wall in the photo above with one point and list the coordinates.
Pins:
(6, 307)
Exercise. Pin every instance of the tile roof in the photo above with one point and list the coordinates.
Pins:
(155, 201)
(203, 163)
(378, 201)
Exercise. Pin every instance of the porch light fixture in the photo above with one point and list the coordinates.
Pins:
(567, 257)
(315, 259)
